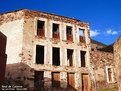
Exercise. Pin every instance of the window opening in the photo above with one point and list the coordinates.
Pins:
(39, 54)
(83, 57)
(40, 28)
(109, 74)
(69, 33)
(55, 30)
(56, 56)
(81, 35)
(70, 57)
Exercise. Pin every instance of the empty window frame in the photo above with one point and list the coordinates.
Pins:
(71, 81)
(81, 35)
(40, 28)
(39, 54)
(110, 74)
(83, 58)
(55, 79)
(70, 57)
(69, 33)
(55, 30)
(39, 80)
(56, 56)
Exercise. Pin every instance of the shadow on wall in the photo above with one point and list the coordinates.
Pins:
(20, 74)
(3, 57)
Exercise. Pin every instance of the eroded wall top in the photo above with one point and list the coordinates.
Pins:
(117, 45)
(11, 16)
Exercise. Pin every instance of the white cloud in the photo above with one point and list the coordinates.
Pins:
(109, 31)
(94, 33)
(114, 32)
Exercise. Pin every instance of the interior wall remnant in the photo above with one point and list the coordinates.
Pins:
(55, 79)
(55, 30)
(56, 56)
(39, 54)
(85, 82)
(69, 33)
(71, 81)
(40, 28)
(83, 57)
(70, 57)
(39, 81)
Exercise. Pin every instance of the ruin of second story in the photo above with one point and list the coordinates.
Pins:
(104, 66)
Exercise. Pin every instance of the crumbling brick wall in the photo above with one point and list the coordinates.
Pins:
(117, 58)
(100, 60)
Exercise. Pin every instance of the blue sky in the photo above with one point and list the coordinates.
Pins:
(104, 16)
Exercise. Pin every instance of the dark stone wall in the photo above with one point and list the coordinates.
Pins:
(3, 57)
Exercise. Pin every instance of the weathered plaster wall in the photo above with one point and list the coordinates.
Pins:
(13, 30)
(27, 51)
(117, 58)
(11, 24)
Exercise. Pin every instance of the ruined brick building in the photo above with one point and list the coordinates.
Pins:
(117, 58)
(47, 51)
(104, 66)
